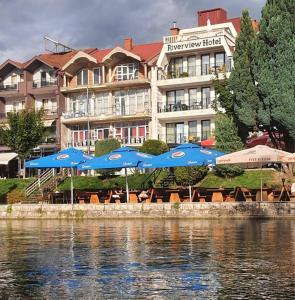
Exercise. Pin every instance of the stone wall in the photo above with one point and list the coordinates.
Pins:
(151, 210)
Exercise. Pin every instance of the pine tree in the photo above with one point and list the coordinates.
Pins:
(241, 82)
(226, 134)
(275, 68)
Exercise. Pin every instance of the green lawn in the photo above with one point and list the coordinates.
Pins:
(7, 185)
(250, 179)
(94, 182)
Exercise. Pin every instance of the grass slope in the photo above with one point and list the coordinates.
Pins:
(7, 185)
(250, 179)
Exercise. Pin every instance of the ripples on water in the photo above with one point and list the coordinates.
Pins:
(147, 259)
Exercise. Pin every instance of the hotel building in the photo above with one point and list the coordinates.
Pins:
(182, 86)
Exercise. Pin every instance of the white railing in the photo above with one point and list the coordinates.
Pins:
(192, 36)
(39, 182)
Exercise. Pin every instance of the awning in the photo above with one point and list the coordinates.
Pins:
(6, 157)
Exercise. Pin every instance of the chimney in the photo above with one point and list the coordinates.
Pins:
(215, 15)
(174, 30)
(128, 44)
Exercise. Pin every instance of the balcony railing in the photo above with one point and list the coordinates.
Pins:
(110, 111)
(123, 141)
(180, 138)
(201, 104)
(50, 111)
(44, 83)
(8, 87)
(202, 70)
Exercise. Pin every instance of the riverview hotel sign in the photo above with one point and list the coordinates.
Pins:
(191, 45)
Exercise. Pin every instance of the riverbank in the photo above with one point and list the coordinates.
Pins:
(149, 210)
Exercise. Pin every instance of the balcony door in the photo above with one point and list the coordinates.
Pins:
(205, 59)
(206, 97)
(175, 133)
(121, 103)
(43, 78)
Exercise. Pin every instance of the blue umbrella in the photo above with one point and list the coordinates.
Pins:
(185, 155)
(123, 157)
(68, 158)
(182, 156)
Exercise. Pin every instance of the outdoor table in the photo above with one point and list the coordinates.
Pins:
(133, 197)
(217, 195)
(264, 194)
(174, 196)
(58, 198)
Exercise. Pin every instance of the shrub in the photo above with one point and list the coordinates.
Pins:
(190, 175)
(103, 147)
(154, 147)
(228, 171)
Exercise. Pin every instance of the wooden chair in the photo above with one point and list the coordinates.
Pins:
(150, 198)
(195, 194)
(133, 198)
(94, 199)
(81, 197)
(247, 194)
(107, 199)
(159, 197)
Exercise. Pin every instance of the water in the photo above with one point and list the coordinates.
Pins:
(147, 259)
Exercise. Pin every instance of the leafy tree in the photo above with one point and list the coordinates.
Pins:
(226, 134)
(275, 69)
(190, 175)
(241, 81)
(103, 147)
(228, 171)
(154, 147)
(24, 132)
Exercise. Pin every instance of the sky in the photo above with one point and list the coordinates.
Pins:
(99, 23)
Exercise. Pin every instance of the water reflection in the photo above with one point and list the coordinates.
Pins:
(162, 259)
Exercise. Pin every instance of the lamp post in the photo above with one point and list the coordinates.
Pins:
(88, 122)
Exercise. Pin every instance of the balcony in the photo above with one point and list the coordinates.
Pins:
(108, 114)
(8, 87)
(124, 141)
(50, 111)
(44, 83)
(201, 104)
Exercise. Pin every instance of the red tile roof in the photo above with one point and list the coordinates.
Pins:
(236, 22)
(147, 51)
(12, 62)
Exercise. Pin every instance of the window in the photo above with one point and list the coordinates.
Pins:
(13, 80)
(131, 133)
(127, 71)
(219, 60)
(97, 76)
(191, 66)
(43, 78)
(45, 104)
(176, 67)
(206, 97)
(192, 131)
(175, 133)
(101, 104)
(194, 101)
(175, 100)
(205, 64)
(82, 77)
(205, 129)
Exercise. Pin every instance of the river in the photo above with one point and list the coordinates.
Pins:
(147, 259)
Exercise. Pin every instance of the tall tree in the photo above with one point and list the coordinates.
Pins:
(241, 81)
(226, 134)
(24, 132)
(275, 68)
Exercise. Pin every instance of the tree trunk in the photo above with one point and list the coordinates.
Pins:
(24, 168)
(289, 142)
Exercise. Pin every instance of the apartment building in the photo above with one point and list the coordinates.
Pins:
(108, 95)
(183, 90)
(35, 84)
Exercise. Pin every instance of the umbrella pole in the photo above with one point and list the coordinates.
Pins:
(127, 188)
(261, 183)
(72, 188)
(190, 192)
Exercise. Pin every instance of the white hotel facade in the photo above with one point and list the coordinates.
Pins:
(182, 82)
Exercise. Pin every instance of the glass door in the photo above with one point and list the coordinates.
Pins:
(205, 64)
(179, 133)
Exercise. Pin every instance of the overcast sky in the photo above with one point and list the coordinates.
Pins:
(99, 23)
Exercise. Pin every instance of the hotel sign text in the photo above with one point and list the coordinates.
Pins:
(195, 44)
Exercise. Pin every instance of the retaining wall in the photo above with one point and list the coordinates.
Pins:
(151, 210)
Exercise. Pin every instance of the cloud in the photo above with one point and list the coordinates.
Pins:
(98, 23)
